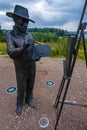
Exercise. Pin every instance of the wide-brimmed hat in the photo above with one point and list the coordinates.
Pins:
(20, 11)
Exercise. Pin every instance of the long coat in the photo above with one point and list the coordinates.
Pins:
(25, 68)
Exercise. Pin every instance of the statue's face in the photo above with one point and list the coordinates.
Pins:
(21, 23)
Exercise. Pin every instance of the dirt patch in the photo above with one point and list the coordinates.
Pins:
(72, 117)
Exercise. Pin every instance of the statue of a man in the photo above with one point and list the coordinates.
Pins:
(20, 46)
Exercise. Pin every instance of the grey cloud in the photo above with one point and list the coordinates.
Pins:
(53, 13)
(5, 6)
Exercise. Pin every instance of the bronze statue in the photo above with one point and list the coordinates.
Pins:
(20, 46)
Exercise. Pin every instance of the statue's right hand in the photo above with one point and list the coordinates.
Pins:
(25, 46)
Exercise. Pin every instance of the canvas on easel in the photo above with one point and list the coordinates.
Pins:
(69, 56)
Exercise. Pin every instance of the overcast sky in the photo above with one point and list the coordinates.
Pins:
(64, 14)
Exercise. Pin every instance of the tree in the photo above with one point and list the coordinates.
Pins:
(2, 36)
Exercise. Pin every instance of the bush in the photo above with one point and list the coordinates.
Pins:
(3, 49)
(2, 36)
(58, 49)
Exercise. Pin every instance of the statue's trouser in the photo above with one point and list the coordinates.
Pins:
(25, 84)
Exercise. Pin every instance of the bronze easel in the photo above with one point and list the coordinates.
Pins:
(68, 64)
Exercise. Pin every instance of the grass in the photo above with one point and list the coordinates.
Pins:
(58, 49)
(3, 49)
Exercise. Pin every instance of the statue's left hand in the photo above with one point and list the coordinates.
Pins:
(29, 41)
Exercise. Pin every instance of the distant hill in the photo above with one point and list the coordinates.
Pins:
(47, 34)
(74, 32)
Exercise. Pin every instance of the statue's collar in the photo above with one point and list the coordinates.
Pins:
(17, 33)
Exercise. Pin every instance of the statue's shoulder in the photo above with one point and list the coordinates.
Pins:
(8, 34)
(29, 36)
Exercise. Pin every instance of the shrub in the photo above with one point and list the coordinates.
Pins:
(3, 49)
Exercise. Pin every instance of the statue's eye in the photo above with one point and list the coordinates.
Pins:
(20, 20)
(25, 21)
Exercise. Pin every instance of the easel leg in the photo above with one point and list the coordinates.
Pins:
(59, 109)
(59, 93)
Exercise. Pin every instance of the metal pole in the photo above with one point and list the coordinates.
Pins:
(83, 12)
(61, 106)
(74, 104)
(59, 92)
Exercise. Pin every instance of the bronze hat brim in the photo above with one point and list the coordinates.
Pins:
(11, 15)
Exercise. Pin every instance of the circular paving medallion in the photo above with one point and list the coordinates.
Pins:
(43, 122)
(11, 90)
(50, 83)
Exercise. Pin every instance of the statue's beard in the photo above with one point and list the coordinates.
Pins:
(21, 29)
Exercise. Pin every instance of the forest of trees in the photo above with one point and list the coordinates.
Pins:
(57, 39)
(41, 34)
(54, 37)
(50, 35)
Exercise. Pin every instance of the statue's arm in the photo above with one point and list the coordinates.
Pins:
(13, 52)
